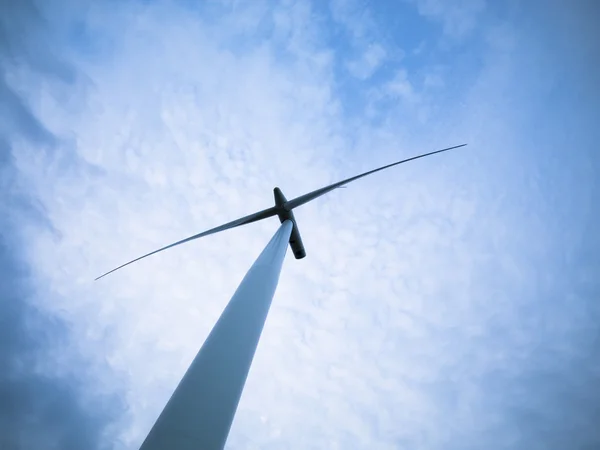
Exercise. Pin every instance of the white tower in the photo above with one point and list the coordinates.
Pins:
(199, 414)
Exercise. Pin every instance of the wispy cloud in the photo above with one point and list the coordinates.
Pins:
(50, 394)
(368, 62)
(458, 19)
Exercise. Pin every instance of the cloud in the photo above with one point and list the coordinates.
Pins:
(401, 87)
(48, 398)
(361, 43)
(354, 17)
(458, 19)
(42, 406)
(48, 394)
(368, 62)
(447, 304)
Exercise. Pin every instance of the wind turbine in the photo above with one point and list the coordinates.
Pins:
(201, 410)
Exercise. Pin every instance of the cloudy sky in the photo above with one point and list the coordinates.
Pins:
(452, 303)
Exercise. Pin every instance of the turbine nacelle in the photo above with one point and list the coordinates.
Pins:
(284, 213)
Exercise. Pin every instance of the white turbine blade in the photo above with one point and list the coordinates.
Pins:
(314, 194)
(236, 223)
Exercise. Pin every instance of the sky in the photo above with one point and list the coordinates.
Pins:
(450, 303)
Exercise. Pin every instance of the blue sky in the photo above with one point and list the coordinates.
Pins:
(450, 303)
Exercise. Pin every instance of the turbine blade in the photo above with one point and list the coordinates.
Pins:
(324, 190)
(236, 223)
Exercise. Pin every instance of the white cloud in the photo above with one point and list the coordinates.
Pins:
(433, 80)
(368, 62)
(368, 50)
(458, 18)
(401, 87)
(412, 312)
(355, 17)
(400, 96)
